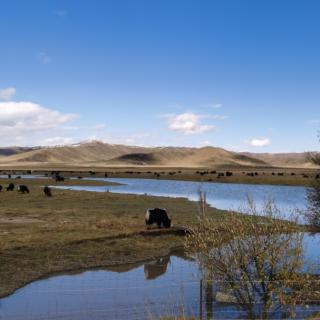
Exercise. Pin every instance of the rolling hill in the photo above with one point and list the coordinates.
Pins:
(102, 154)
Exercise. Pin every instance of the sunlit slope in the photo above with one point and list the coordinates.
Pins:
(103, 154)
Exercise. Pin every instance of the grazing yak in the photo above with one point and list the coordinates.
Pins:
(47, 191)
(10, 187)
(59, 178)
(0, 188)
(23, 189)
(158, 216)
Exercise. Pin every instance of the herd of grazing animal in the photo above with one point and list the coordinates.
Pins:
(156, 216)
(24, 189)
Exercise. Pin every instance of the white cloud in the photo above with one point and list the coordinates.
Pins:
(55, 141)
(205, 143)
(7, 93)
(22, 118)
(135, 139)
(44, 58)
(187, 123)
(259, 142)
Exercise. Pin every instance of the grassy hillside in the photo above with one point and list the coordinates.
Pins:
(298, 160)
(101, 154)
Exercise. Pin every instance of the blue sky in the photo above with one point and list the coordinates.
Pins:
(238, 74)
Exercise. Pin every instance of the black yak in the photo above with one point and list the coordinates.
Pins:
(23, 189)
(158, 216)
(10, 187)
(47, 191)
(0, 188)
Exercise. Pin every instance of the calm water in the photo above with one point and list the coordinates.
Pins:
(156, 288)
(22, 176)
(220, 195)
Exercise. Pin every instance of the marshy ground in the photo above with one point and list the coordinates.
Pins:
(73, 230)
(247, 175)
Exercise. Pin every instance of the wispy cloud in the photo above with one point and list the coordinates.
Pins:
(314, 122)
(44, 58)
(218, 117)
(188, 123)
(6, 94)
(213, 105)
(56, 141)
(263, 142)
(60, 13)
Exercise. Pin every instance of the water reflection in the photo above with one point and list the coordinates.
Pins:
(220, 195)
(152, 289)
(262, 277)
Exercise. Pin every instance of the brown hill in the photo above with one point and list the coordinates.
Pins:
(82, 153)
(298, 160)
(9, 151)
(102, 154)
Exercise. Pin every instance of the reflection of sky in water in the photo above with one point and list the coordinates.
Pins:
(102, 294)
(22, 176)
(220, 195)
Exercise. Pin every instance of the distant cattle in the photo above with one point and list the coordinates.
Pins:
(47, 191)
(59, 178)
(10, 187)
(23, 189)
(317, 176)
(0, 188)
(158, 216)
(18, 177)
(229, 173)
(280, 174)
(220, 174)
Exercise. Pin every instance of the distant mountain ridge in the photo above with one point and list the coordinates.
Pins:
(103, 154)
(9, 151)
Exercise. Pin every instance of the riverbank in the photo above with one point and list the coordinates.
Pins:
(246, 175)
(76, 230)
(79, 230)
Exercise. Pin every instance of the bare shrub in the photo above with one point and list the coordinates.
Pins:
(253, 260)
(312, 214)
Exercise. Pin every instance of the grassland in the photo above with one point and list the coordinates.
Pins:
(271, 176)
(74, 230)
